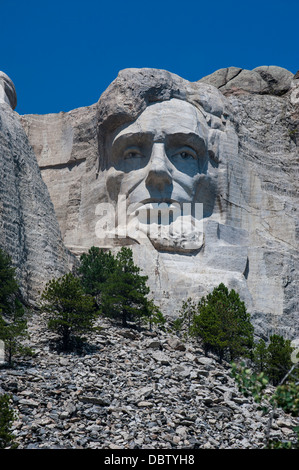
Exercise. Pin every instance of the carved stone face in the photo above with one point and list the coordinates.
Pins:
(160, 161)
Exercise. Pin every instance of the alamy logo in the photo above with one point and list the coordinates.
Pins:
(150, 219)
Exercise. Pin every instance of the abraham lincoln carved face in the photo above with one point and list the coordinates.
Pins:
(161, 167)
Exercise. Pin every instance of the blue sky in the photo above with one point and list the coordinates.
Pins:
(63, 54)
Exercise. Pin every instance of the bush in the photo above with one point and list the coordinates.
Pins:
(70, 311)
(285, 396)
(223, 324)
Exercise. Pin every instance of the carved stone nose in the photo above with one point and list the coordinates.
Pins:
(158, 175)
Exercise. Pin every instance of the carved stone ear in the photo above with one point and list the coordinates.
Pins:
(7, 90)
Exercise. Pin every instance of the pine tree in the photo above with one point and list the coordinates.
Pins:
(8, 284)
(70, 311)
(95, 267)
(223, 324)
(260, 355)
(7, 416)
(13, 324)
(153, 315)
(124, 294)
(186, 316)
(279, 358)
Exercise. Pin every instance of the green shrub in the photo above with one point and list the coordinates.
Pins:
(285, 397)
(7, 417)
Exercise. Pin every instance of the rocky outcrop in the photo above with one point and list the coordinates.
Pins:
(250, 229)
(263, 184)
(29, 230)
(264, 80)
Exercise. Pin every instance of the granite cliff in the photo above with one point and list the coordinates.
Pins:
(29, 231)
(248, 187)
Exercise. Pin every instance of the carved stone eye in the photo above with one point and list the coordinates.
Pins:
(186, 155)
(132, 154)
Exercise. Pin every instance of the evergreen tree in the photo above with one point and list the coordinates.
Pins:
(124, 294)
(153, 315)
(279, 358)
(186, 316)
(9, 288)
(70, 311)
(12, 330)
(7, 417)
(223, 324)
(260, 355)
(95, 267)
(13, 324)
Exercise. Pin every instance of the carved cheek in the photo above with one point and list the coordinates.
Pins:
(113, 183)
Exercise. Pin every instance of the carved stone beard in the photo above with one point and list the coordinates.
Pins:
(159, 172)
(168, 226)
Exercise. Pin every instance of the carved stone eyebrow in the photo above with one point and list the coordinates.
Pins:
(191, 139)
(132, 138)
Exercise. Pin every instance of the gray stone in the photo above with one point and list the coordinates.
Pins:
(245, 127)
(94, 400)
(170, 410)
(7, 91)
(161, 357)
(155, 345)
(29, 230)
(261, 80)
(249, 187)
(144, 404)
(176, 344)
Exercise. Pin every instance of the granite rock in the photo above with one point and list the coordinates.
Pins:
(29, 230)
(249, 186)
(117, 396)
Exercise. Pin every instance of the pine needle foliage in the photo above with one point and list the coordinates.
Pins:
(94, 270)
(13, 323)
(124, 295)
(223, 324)
(71, 312)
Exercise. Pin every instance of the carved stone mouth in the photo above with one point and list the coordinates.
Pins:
(159, 201)
(158, 204)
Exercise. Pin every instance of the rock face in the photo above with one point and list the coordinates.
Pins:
(7, 91)
(29, 230)
(228, 142)
(263, 194)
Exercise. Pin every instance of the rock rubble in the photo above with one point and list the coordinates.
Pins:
(131, 390)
